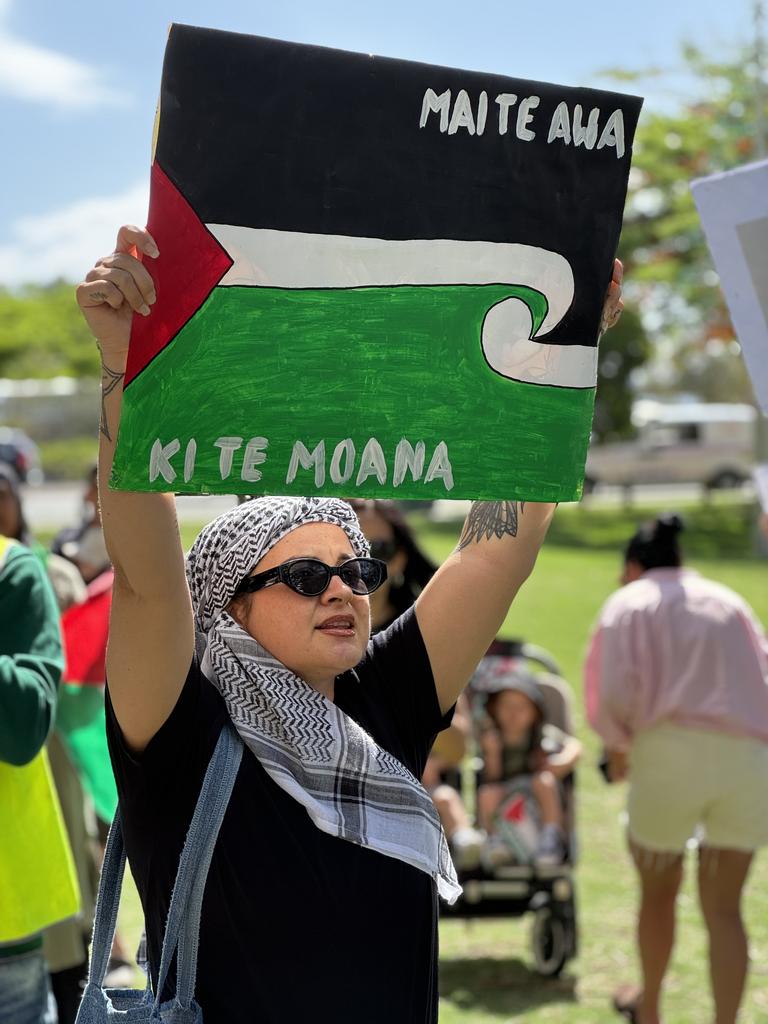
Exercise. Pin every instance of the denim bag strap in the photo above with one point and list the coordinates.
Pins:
(183, 924)
(107, 902)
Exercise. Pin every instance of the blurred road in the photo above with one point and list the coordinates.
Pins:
(52, 506)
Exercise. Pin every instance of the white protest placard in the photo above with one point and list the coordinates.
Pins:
(734, 211)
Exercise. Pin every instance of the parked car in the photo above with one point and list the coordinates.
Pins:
(21, 452)
(692, 442)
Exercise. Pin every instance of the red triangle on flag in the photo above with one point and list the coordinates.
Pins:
(515, 810)
(190, 265)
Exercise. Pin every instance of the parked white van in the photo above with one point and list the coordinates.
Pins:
(712, 444)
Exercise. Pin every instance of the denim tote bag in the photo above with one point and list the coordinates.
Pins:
(133, 1006)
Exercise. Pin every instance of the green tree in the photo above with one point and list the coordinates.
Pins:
(623, 350)
(43, 335)
(670, 275)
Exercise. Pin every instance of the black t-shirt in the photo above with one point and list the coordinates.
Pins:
(296, 925)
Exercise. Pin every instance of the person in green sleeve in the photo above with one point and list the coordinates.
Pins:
(37, 878)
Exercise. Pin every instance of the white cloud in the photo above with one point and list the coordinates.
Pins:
(66, 242)
(33, 73)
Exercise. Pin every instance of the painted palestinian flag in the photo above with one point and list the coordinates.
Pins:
(377, 278)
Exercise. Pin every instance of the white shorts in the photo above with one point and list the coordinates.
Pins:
(689, 782)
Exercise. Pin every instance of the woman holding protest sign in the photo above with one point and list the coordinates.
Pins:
(321, 899)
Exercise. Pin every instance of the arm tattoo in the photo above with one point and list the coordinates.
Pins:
(109, 381)
(489, 519)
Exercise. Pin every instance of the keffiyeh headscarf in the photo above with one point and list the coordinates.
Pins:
(350, 786)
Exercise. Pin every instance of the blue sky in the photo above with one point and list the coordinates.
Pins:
(79, 81)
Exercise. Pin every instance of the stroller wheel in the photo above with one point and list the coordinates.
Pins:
(550, 942)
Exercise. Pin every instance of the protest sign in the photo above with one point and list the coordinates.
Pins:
(734, 211)
(376, 278)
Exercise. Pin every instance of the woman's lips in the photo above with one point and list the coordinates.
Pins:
(339, 625)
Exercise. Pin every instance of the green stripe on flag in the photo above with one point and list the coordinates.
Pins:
(326, 365)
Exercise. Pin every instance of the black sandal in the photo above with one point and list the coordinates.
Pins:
(626, 1001)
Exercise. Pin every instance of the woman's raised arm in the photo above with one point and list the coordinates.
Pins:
(462, 607)
(151, 637)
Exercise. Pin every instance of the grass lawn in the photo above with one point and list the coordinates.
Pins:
(485, 973)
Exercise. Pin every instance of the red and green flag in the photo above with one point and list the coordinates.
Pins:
(80, 716)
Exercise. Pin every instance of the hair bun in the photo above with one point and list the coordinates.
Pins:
(668, 525)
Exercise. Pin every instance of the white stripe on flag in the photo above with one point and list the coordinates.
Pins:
(285, 259)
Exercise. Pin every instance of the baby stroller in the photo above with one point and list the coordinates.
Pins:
(519, 887)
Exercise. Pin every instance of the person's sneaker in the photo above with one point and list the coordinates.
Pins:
(466, 847)
(550, 849)
(496, 853)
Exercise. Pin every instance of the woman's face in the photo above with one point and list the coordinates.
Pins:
(317, 638)
(376, 528)
(10, 518)
(515, 713)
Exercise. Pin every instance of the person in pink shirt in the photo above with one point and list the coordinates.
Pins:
(676, 685)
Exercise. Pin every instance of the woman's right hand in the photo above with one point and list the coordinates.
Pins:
(117, 287)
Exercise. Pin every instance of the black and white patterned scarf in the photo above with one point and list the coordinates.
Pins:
(350, 786)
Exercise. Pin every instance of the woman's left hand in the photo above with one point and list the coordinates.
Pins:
(614, 304)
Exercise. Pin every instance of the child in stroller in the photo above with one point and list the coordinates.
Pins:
(506, 878)
(520, 803)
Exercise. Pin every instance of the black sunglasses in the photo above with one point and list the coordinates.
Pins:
(310, 577)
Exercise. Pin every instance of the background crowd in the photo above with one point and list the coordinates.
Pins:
(675, 687)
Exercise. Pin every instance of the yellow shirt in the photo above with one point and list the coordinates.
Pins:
(38, 885)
